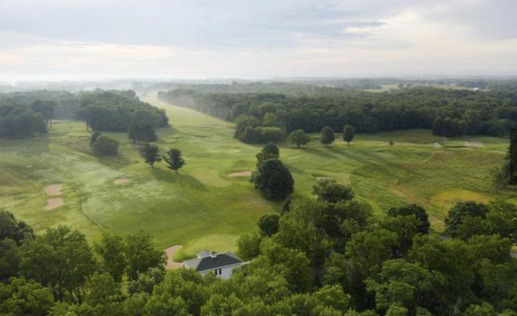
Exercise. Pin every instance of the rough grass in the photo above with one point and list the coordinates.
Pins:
(203, 208)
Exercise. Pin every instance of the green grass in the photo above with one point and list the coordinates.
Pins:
(203, 208)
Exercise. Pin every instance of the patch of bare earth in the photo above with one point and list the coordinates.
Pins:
(53, 189)
(171, 251)
(240, 174)
(53, 204)
(121, 181)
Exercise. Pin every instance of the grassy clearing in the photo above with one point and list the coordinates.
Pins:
(204, 208)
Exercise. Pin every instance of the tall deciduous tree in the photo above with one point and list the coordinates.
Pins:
(299, 137)
(111, 249)
(46, 108)
(348, 134)
(174, 160)
(413, 209)
(142, 255)
(60, 259)
(327, 136)
(14, 229)
(141, 132)
(273, 180)
(268, 224)
(270, 151)
(150, 154)
(24, 297)
(466, 219)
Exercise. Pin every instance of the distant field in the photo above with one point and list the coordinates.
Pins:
(204, 207)
(388, 87)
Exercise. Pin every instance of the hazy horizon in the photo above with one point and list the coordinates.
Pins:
(158, 39)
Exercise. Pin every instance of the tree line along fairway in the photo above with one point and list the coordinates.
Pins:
(204, 206)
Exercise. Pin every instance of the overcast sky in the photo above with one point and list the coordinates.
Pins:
(75, 39)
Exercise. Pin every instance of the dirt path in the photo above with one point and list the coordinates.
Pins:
(171, 251)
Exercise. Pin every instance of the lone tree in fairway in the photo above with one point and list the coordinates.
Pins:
(327, 136)
(273, 180)
(174, 160)
(105, 146)
(299, 138)
(348, 134)
(150, 154)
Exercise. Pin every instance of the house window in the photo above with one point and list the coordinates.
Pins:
(220, 271)
(215, 271)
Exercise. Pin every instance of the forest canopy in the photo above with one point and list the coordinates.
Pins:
(319, 258)
(446, 112)
(24, 114)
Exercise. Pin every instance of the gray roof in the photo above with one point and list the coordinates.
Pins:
(212, 262)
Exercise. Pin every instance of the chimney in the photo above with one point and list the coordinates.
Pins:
(213, 254)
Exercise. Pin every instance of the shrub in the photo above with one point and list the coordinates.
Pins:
(105, 146)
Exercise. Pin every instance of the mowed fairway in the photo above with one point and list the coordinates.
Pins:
(204, 207)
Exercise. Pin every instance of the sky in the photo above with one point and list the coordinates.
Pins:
(187, 39)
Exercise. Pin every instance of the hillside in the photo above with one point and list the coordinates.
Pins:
(211, 202)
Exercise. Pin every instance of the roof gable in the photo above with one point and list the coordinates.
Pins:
(218, 261)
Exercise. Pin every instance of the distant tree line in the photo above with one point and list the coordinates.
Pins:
(116, 111)
(24, 114)
(263, 117)
(19, 121)
(63, 105)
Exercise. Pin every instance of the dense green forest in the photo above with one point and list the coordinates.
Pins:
(23, 114)
(263, 117)
(18, 121)
(116, 110)
(324, 257)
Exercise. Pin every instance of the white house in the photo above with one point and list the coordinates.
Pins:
(222, 264)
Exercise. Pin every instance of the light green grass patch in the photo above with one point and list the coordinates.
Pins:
(215, 242)
(202, 207)
(211, 178)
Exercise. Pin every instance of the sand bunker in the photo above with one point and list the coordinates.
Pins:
(171, 251)
(121, 181)
(437, 145)
(53, 204)
(53, 189)
(246, 173)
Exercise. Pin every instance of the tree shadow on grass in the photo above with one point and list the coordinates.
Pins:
(294, 169)
(322, 153)
(183, 180)
(166, 133)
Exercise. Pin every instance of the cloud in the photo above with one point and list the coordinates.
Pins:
(280, 38)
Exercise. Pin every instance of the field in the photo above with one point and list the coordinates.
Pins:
(205, 206)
